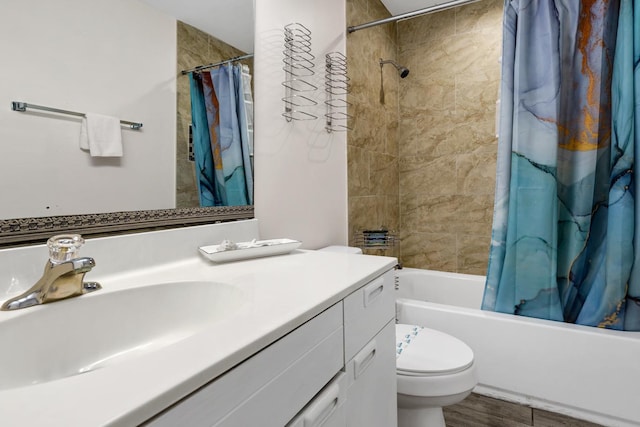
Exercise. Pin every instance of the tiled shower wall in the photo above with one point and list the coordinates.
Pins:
(373, 141)
(443, 130)
(194, 48)
(447, 136)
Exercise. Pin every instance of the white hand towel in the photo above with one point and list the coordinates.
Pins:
(101, 135)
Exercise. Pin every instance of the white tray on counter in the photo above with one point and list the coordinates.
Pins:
(248, 250)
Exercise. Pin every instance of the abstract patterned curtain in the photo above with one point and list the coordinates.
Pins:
(565, 213)
(221, 116)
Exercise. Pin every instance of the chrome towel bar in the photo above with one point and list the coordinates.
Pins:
(23, 106)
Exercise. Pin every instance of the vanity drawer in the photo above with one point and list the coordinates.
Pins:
(269, 388)
(366, 312)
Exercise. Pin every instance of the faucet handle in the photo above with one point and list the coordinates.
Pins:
(64, 247)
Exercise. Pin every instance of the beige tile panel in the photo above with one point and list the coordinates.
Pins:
(473, 95)
(431, 60)
(377, 11)
(187, 59)
(435, 134)
(469, 55)
(366, 212)
(473, 53)
(476, 173)
(473, 253)
(368, 136)
(356, 9)
(435, 251)
(427, 135)
(427, 93)
(191, 39)
(411, 213)
(391, 217)
(428, 175)
(468, 132)
(426, 29)
(446, 214)
(383, 174)
(358, 171)
(485, 16)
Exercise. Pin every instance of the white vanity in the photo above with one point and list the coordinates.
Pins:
(301, 339)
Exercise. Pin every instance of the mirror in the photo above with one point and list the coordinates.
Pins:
(116, 57)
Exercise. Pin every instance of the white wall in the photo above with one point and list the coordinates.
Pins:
(300, 169)
(114, 57)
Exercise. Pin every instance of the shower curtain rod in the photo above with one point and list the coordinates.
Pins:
(215, 64)
(431, 9)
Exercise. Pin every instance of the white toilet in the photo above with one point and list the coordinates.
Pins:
(433, 370)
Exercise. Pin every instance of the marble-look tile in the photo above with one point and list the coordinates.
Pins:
(358, 171)
(472, 253)
(412, 213)
(428, 175)
(383, 174)
(377, 11)
(391, 217)
(191, 39)
(426, 29)
(474, 213)
(428, 94)
(429, 61)
(472, 53)
(473, 94)
(474, 17)
(420, 134)
(356, 9)
(365, 212)
(442, 213)
(476, 173)
(446, 214)
(434, 251)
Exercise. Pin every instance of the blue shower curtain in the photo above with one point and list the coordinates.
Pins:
(221, 144)
(563, 235)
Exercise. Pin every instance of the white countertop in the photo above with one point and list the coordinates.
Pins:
(281, 293)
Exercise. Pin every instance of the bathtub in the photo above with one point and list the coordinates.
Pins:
(583, 372)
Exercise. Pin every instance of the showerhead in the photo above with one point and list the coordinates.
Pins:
(403, 71)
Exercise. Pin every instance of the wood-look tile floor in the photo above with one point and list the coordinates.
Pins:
(482, 411)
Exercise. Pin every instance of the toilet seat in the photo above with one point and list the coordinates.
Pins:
(423, 352)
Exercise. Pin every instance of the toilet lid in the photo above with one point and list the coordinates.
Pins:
(422, 351)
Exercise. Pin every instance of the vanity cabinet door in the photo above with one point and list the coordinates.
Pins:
(370, 362)
(367, 311)
(372, 387)
(271, 387)
(327, 409)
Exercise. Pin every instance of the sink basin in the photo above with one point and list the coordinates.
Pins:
(79, 335)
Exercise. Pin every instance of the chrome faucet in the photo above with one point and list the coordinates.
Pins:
(63, 275)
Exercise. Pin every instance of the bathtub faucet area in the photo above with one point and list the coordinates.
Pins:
(63, 275)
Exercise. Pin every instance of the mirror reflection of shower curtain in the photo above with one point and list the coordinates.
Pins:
(222, 121)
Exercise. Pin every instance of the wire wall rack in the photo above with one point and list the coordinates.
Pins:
(336, 86)
(376, 239)
(299, 69)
